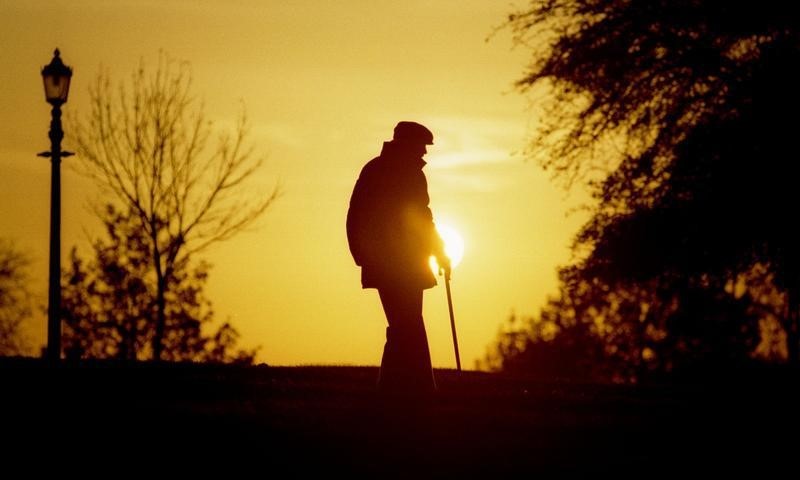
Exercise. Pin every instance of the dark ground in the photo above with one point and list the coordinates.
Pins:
(110, 420)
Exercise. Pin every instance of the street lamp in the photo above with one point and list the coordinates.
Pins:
(56, 77)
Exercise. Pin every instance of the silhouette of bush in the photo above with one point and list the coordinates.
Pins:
(16, 300)
(109, 303)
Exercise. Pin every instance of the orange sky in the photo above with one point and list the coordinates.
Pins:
(323, 84)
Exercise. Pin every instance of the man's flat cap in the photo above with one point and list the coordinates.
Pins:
(412, 132)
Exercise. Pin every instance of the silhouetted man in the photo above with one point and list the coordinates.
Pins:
(391, 235)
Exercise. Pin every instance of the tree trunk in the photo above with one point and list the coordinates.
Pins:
(125, 332)
(160, 318)
(792, 328)
(129, 340)
(793, 337)
(161, 284)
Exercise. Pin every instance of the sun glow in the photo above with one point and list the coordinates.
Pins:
(453, 247)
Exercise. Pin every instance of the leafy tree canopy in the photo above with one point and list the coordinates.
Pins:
(109, 303)
(678, 116)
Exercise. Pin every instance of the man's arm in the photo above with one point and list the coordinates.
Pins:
(441, 256)
(435, 241)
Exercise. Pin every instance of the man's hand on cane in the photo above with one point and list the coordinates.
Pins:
(444, 265)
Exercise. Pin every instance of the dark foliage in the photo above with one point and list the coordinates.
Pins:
(16, 300)
(678, 115)
(109, 303)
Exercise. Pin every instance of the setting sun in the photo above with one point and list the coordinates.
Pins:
(453, 247)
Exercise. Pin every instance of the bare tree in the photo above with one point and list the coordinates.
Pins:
(16, 303)
(147, 144)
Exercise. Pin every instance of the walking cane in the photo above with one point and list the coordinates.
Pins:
(452, 318)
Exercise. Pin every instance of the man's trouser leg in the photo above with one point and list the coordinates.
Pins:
(406, 363)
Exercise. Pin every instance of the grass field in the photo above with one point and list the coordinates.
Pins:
(275, 422)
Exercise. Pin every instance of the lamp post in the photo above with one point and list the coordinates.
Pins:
(56, 77)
